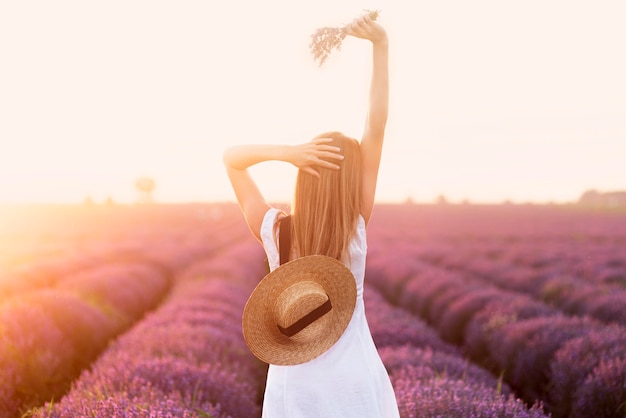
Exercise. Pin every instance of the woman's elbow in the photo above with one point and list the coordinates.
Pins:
(227, 157)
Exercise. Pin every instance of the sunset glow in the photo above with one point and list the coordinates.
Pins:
(490, 101)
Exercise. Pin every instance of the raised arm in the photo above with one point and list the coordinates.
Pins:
(376, 118)
(238, 159)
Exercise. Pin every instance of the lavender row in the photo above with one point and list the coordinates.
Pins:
(425, 392)
(513, 223)
(78, 240)
(603, 300)
(185, 359)
(570, 258)
(507, 333)
(561, 360)
(596, 260)
(48, 336)
(551, 241)
(431, 378)
(61, 320)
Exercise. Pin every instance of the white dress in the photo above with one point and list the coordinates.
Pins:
(348, 380)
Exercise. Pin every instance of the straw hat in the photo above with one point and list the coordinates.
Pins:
(299, 310)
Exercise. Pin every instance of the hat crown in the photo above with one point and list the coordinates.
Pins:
(297, 301)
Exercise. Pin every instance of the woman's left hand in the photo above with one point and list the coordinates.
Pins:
(315, 154)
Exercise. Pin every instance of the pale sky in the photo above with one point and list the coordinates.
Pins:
(490, 100)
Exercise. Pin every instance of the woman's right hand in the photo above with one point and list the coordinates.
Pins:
(315, 154)
(365, 27)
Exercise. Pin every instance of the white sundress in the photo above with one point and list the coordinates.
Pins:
(348, 380)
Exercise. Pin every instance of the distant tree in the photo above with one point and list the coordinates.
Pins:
(616, 199)
(441, 200)
(145, 187)
(589, 197)
(88, 201)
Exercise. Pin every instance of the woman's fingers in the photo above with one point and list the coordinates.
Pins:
(332, 155)
(318, 153)
(319, 161)
(328, 164)
(319, 141)
(310, 170)
(365, 27)
(328, 151)
(359, 26)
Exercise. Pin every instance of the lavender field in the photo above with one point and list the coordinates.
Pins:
(477, 311)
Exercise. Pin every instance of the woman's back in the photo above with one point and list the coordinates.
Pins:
(348, 380)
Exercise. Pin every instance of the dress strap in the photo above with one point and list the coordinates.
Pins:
(284, 239)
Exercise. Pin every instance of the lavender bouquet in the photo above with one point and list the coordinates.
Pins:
(325, 40)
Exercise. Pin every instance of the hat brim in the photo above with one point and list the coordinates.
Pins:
(260, 330)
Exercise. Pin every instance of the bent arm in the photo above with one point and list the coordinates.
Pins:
(307, 157)
(251, 202)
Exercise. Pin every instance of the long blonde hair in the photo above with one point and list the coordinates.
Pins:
(325, 210)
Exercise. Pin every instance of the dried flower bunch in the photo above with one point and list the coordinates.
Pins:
(326, 39)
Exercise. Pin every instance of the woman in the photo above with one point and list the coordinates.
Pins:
(333, 203)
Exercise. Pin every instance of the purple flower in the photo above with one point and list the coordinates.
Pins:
(458, 314)
(433, 363)
(392, 326)
(190, 352)
(603, 394)
(421, 394)
(538, 339)
(494, 316)
(576, 360)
